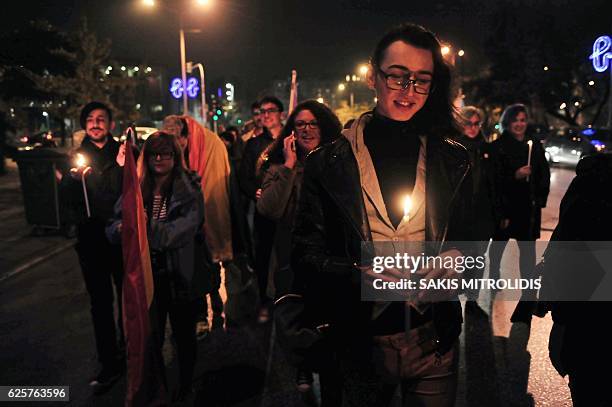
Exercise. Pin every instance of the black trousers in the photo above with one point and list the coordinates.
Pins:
(264, 240)
(102, 268)
(183, 317)
(589, 389)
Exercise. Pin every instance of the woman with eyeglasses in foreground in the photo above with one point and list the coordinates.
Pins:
(484, 202)
(310, 124)
(174, 207)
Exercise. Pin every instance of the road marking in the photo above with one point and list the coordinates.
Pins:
(35, 261)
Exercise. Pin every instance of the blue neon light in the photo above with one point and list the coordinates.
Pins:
(602, 54)
(588, 132)
(597, 143)
(177, 88)
(192, 87)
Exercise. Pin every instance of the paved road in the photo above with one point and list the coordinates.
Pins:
(47, 337)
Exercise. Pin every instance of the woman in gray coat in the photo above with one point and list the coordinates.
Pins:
(310, 124)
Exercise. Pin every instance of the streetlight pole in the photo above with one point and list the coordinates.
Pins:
(204, 107)
(183, 65)
(179, 12)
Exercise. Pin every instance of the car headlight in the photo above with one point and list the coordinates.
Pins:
(553, 149)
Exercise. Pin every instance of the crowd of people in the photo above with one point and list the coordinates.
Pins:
(294, 201)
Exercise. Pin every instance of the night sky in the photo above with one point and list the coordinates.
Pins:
(252, 42)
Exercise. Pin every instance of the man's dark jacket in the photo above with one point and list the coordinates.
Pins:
(250, 179)
(332, 222)
(485, 199)
(104, 185)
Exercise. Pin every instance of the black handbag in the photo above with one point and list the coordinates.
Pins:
(305, 343)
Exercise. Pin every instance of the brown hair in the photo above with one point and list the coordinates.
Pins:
(154, 142)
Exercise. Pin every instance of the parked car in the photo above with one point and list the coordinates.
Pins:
(567, 146)
(40, 139)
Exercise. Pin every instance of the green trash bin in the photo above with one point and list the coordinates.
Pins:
(38, 169)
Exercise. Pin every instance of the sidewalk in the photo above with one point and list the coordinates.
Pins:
(19, 250)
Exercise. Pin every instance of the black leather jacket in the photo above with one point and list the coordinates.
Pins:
(332, 222)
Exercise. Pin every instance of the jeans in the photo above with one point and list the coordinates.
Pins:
(410, 361)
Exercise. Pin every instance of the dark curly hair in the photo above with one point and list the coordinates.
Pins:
(329, 125)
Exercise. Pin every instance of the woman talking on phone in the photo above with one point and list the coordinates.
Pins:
(310, 124)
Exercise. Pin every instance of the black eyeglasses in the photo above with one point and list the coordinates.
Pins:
(162, 156)
(256, 113)
(271, 110)
(301, 125)
(473, 124)
(422, 86)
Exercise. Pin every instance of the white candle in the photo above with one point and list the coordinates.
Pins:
(530, 144)
(81, 161)
(407, 204)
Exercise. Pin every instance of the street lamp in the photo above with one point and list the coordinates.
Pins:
(190, 66)
(46, 116)
(151, 3)
(363, 69)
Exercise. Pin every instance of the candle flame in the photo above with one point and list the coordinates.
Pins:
(80, 160)
(529, 142)
(407, 203)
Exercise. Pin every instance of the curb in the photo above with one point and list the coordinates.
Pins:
(36, 260)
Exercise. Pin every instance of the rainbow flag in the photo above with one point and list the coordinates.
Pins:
(145, 374)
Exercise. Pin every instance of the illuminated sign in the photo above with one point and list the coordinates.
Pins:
(177, 88)
(602, 53)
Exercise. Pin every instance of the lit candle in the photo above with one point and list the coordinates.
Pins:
(407, 203)
(530, 145)
(81, 162)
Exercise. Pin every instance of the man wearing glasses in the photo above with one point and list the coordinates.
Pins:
(251, 176)
(353, 192)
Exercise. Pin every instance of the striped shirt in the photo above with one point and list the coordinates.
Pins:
(160, 208)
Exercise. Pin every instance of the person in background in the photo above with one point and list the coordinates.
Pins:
(484, 203)
(310, 124)
(237, 145)
(175, 212)
(250, 179)
(523, 191)
(255, 125)
(205, 153)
